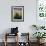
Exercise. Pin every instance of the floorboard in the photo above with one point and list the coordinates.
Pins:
(13, 44)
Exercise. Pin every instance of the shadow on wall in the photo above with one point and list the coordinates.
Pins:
(32, 30)
(8, 30)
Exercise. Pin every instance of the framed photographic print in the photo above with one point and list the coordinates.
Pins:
(17, 13)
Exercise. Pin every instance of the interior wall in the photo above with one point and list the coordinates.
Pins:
(29, 15)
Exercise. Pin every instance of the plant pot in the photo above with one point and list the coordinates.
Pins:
(38, 40)
(42, 40)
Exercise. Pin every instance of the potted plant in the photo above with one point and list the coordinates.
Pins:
(38, 27)
(35, 26)
(39, 35)
(42, 27)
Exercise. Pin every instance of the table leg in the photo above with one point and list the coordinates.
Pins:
(5, 40)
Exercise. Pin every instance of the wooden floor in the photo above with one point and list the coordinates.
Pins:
(13, 44)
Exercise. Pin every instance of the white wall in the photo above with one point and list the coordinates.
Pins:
(29, 15)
